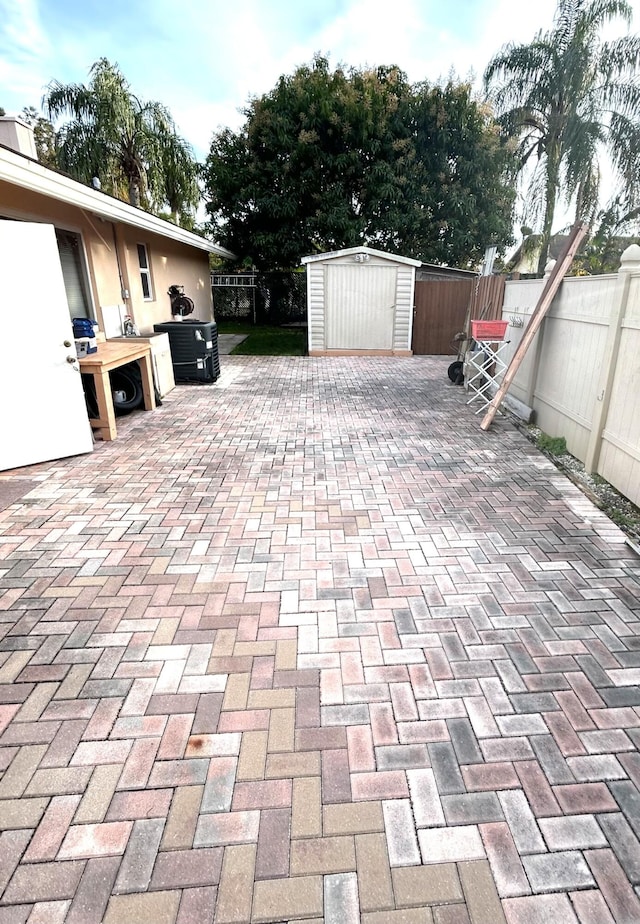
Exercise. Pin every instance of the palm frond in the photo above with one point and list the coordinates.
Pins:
(620, 56)
(596, 13)
(74, 99)
(619, 96)
(625, 153)
(123, 140)
(568, 97)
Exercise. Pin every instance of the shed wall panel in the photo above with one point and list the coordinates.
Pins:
(405, 287)
(315, 305)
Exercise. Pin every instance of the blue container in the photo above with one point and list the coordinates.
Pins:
(83, 329)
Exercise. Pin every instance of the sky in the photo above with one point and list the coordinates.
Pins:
(205, 59)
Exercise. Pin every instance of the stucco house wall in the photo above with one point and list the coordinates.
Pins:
(110, 232)
(171, 263)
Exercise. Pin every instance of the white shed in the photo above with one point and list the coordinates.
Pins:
(359, 302)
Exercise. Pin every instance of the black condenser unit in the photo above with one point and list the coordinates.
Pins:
(194, 349)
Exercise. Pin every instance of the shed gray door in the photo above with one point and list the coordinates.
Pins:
(360, 306)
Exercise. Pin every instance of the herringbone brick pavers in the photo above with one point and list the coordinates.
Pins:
(309, 645)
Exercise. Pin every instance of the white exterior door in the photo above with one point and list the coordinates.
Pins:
(42, 410)
(360, 306)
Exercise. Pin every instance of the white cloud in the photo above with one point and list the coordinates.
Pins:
(206, 58)
(243, 55)
(27, 50)
(21, 28)
(214, 55)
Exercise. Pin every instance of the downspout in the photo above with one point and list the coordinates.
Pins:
(124, 289)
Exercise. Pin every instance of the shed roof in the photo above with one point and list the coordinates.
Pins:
(30, 174)
(349, 251)
(447, 270)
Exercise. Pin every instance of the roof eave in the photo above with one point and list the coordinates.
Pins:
(29, 174)
(349, 251)
(450, 269)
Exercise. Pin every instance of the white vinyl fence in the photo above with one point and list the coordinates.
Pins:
(582, 373)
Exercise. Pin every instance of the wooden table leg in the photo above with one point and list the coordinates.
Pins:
(107, 418)
(147, 382)
(114, 356)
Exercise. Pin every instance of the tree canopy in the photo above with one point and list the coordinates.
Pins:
(43, 134)
(568, 97)
(131, 145)
(335, 158)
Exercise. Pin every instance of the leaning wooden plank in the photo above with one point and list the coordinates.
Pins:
(558, 273)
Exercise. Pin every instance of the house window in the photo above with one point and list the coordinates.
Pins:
(145, 272)
(73, 273)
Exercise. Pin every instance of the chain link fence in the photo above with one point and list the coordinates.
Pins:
(260, 298)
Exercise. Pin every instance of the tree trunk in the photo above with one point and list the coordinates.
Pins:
(551, 190)
(134, 193)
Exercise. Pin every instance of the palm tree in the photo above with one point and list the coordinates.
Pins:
(130, 145)
(180, 180)
(569, 98)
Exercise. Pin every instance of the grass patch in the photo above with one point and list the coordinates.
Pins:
(234, 327)
(267, 341)
(554, 445)
(625, 521)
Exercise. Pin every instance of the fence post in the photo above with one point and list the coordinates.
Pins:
(629, 265)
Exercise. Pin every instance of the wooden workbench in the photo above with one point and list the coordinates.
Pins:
(111, 355)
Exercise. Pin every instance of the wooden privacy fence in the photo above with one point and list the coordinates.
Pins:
(443, 309)
(440, 312)
(486, 298)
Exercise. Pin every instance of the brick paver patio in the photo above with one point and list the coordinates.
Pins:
(308, 645)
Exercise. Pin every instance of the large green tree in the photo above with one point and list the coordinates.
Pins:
(462, 177)
(131, 145)
(333, 158)
(571, 98)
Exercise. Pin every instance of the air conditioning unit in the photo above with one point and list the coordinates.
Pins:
(194, 349)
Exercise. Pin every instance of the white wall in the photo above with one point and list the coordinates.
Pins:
(619, 460)
(581, 375)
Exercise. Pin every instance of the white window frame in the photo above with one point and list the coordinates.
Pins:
(145, 272)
